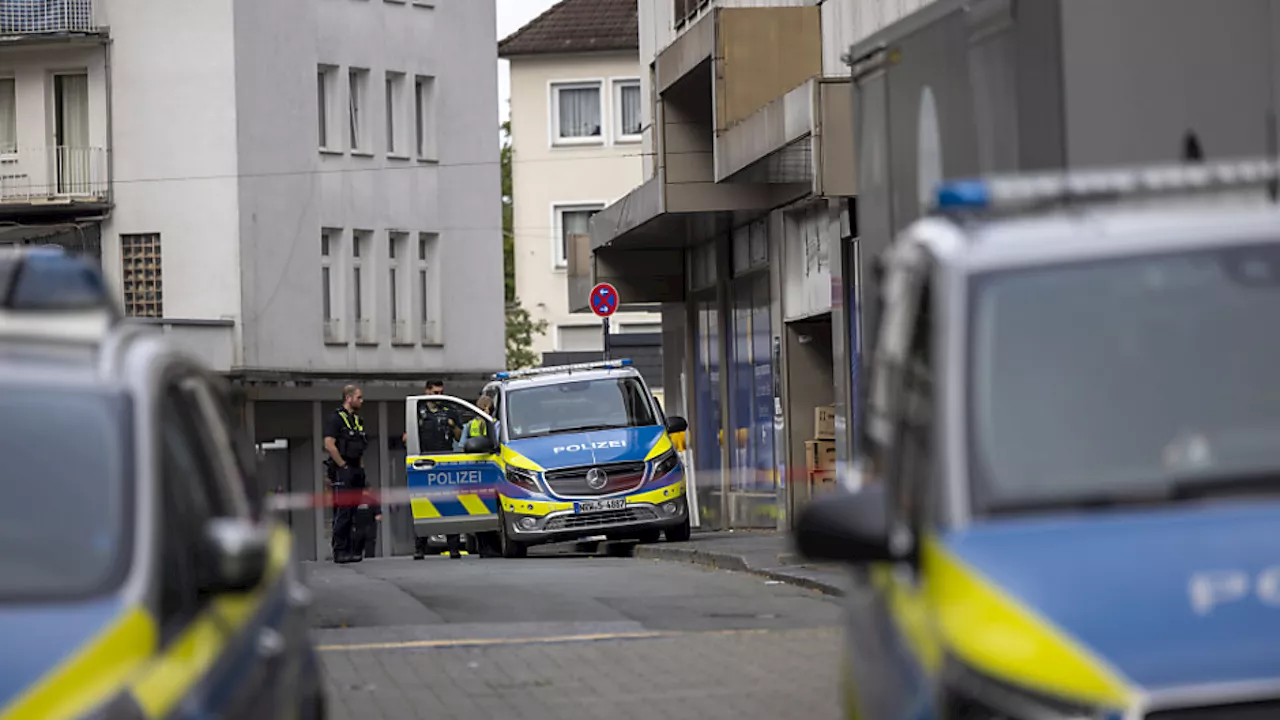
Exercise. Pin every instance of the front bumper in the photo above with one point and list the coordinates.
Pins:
(564, 525)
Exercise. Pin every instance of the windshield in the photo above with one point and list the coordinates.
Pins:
(63, 529)
(578, 406)
(1126, 377)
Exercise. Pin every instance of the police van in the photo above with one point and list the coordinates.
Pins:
(567, 452)
(1070, 448)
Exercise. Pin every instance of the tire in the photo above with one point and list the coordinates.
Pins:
(471, 544)
(679, 533)
(508, 547)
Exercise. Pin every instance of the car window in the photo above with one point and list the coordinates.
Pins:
(65, 524)
(189, 499)
(224, 440)
(579, 406)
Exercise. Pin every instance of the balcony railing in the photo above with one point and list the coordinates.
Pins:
(430, 332)
(400, 333)
(47, 17)
(685, 11)
(365, 332)
(54, 173)
(333, 332)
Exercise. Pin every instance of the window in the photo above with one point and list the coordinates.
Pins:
(626, 113)
(329, 302)
(641, 327)
(140, 276)
(397, 243)
(428, 290)
(394, 103)
(576, 112)
(71, 133)
(571, 221)
(66, 530)
(361, 240)
(582, 404)
(325, 82)
(442, 426)
(8, 116)
(424, 117)
(357, 84)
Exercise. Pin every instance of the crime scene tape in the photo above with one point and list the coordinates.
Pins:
(371, 496)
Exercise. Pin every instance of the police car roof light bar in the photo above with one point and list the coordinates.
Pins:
(556, 369)
(1027, 190)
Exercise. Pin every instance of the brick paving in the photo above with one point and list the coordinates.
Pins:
(744, 674)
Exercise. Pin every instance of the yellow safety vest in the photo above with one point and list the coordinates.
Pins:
(479, 427)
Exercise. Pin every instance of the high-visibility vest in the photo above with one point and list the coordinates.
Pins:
(478, 427)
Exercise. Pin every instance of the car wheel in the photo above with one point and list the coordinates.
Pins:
(508, 546)
(471, 544)
(679, 533)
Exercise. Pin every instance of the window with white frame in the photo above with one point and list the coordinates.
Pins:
(397, 247)
(428, 289)
(329, 298)
(626, 110)
(394, 110)
(361, 287)
(326, 82)
(577, 111)
(357, 106)
(8, 116)
(572, 221)
(424, 89)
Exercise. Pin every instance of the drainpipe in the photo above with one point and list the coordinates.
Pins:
(110, 149)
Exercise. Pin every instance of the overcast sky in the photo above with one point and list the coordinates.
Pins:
(512, 14)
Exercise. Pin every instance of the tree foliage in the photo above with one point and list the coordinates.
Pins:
(521, 327)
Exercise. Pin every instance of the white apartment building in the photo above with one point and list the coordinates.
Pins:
(305, 193)
(576, 118)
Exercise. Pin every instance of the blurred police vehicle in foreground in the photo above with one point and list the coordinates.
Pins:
(137, 579)
(570, 452)
(1071, 447)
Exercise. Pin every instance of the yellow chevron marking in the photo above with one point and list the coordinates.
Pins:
(473, 504)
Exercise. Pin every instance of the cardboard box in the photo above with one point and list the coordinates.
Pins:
(824, 422)
(822, 482)
(820, 455)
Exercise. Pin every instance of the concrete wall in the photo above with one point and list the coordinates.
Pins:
(845, 22)
(547, 178)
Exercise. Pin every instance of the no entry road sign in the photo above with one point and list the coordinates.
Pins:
(604, 300)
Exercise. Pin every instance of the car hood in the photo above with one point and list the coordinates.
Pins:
(38, 638)
(1167, 598)
(597, 447)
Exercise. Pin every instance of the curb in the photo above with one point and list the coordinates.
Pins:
(736, 563)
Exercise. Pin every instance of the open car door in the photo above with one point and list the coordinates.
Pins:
(452, 490)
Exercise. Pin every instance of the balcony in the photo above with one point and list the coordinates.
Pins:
(54, 180)
(48, 19)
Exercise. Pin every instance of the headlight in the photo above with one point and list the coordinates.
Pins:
(970, 695)
(520, 477)
(665, 463)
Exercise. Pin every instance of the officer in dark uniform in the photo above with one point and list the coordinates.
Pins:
(439, 428)
(364, 534)
(345, 442)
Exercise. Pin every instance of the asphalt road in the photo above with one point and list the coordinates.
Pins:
(571, 637)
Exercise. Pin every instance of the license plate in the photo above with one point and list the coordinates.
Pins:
(597, 505)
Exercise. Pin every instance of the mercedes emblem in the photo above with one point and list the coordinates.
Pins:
(597, 479)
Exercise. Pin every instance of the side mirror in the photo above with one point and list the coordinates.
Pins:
(851, 528)
(479, 445)
(677, 424)
(236, 551)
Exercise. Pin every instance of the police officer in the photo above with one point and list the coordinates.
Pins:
(439, 430)
(345, 442)
(478, 427)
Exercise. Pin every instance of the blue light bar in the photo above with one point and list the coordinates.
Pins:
(554, 369)
(961, 194)
(39, 279)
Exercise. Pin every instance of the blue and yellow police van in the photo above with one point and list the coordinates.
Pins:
(139, 577)
(568, 452)
(1067, 498)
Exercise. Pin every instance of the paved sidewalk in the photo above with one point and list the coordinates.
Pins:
(766, 553)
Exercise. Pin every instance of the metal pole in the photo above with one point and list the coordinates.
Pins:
(604, 323)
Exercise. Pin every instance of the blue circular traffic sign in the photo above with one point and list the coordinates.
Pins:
(604, 299)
